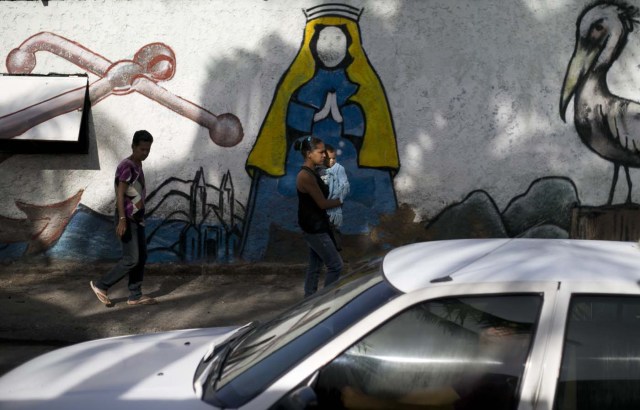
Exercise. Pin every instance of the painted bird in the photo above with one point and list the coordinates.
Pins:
(606, 123)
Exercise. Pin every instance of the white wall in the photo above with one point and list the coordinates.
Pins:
(473, 86)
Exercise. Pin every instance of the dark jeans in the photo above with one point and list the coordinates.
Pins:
(322, 251)
(134, 256)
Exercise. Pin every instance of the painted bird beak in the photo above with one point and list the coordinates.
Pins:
(580, 64)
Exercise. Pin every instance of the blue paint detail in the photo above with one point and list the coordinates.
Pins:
(314, 92)
(88, 236)
(207, 227)
(174, 241)
(300, 117)
(372, 191)
(163, 244)
(276, 200)
(12, 251)
(163, 256)
(354, 120)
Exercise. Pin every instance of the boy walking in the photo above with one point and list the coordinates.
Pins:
(130, 200)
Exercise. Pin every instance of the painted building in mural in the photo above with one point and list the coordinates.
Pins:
(452, 120)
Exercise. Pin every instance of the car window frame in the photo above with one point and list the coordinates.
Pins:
(553, 359)
(375, 294)
(532, 372)
(574, 324)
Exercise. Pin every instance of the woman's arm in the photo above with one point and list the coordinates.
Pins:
(305, 182)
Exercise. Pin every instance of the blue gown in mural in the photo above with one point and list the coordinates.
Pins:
(372, 192)
(330, 91)
(371, 189)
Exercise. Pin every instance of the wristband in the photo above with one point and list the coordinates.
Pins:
(123, 217)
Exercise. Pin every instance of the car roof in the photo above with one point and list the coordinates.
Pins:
(420, 265)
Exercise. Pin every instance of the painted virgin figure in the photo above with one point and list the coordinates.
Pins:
(332, 92)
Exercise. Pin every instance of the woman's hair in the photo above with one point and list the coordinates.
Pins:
(306, 145)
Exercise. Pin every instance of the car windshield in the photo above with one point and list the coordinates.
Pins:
(268, 351)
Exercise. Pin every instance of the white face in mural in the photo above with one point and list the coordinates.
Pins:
(331, 46)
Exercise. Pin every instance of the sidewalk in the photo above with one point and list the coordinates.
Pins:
(46, 306)
(54, 303)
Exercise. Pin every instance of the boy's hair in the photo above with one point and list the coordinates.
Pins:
(141, 136)
(329, 148)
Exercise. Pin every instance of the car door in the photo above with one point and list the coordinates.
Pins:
(594, 357)
(451, 343)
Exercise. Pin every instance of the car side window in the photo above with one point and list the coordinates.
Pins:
(601, 354)
(466, 352)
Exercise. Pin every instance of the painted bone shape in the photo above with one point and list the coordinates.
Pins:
(152, 63)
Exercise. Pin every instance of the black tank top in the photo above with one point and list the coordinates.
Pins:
(312, 218)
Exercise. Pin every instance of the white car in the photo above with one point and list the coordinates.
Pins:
(463, 324)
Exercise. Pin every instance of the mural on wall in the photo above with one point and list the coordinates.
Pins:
(330, 90)
(201, 222)
(151, 64)
(543, 211)
(42, 227)
(209, 221)
(200, 229)
(606, 123)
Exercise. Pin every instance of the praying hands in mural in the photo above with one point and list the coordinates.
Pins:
(330, 109)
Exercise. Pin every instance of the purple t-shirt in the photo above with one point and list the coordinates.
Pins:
(135, 195)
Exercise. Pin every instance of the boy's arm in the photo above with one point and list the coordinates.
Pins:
(122, 218)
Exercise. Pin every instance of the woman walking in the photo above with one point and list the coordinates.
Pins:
(313, 218)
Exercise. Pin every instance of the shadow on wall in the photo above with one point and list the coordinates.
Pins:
(543, 211)
(207, 225)
(45, 223)
(51, 231)
(329, 90)
(252, 99)
(203, 223)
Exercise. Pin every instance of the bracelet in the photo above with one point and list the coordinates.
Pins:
(123, 217)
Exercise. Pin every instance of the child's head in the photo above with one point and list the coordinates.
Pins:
(330, 159)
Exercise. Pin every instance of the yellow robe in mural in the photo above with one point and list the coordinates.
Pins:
(378, 148)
